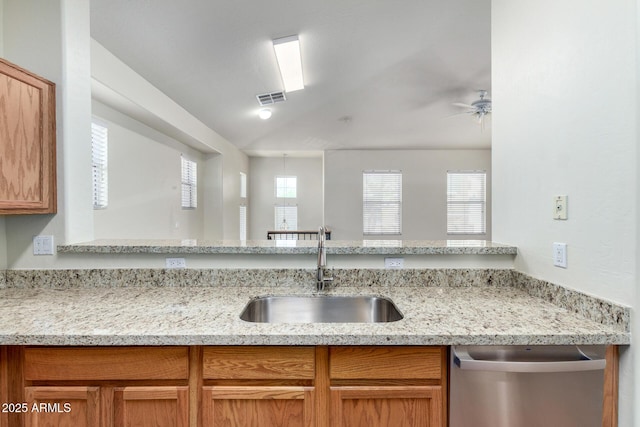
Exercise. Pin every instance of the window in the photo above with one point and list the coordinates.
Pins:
(189, 184)
(286, 187)
(243, 185)
(466, 202)
(99, 157)
(382, 202)
(243, 222)
(243, 206)
(286, 218)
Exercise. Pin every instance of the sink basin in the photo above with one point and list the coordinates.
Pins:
(321, 309)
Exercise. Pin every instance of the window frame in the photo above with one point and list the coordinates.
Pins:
(189, 183)
(100, 163)
(381, 205)
(472, 205)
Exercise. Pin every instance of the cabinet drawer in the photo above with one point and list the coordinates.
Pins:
(259, 362)
(126, 363)
(352, 363)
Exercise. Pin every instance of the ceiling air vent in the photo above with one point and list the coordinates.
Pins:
(271, 98)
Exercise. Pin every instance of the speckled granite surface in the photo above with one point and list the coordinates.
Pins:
(441, 307)
(293, 247)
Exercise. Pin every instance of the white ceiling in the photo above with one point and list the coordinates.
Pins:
(379, 73)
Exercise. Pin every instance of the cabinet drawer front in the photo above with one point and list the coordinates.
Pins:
(135, 363)
(386, 362)
(259, 363)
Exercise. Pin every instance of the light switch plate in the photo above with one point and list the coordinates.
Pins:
(43, 245)
(560, 207)
(560, 255)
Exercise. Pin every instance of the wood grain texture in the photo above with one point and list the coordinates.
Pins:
(407, 406)
(610, 401)
(259, 362)
(155, 406)
(83, 409)
(322, 384)
(106, 363)
(27, 142)
(258, 406)
(386, 362)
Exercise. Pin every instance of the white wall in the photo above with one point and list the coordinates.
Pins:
(424, 192)
(144, 183)
(261, 192)
(52, 39)
(565, 122)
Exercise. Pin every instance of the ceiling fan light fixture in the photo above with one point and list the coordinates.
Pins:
(289, 59)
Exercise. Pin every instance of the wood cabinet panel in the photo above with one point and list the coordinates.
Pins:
(370, 406)
(275, 406)
(62, 407)
(155, 406)
(27, 142)
(386, 362)
(105, 363)
(259, 363)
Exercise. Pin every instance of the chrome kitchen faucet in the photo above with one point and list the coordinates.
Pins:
(322, 261)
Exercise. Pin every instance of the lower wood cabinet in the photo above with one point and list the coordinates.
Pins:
(73, 406)
(283, 406)
(240, 386)
(398, 406)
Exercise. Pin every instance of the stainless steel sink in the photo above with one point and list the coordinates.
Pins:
(321, 309)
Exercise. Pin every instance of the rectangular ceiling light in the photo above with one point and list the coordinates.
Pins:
(290, 62)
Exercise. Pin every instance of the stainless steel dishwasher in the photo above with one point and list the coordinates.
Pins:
(526, 386)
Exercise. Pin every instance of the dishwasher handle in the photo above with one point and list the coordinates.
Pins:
(463, 360)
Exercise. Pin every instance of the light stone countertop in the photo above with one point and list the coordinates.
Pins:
(209, 315)
(292, 247)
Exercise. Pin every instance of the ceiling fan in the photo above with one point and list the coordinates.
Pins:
(479, 109)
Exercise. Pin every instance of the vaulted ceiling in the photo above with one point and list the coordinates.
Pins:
(379, 74)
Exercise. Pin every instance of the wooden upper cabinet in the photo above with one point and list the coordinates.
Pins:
(27, 142)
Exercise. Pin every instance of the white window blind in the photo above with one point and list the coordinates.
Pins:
(243, 185)
(382, 202)
(243, 222)
(99, 158)
(286, 218)
(286, 187)
(466, 202)
(189, 184)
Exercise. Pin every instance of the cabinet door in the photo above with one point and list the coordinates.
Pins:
(155, 406)
(62, 406)
(386, 406)
(27, 142)
(264, 406)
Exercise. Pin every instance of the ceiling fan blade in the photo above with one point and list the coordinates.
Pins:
(460, 104)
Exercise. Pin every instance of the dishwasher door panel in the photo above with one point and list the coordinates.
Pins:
(492, 398)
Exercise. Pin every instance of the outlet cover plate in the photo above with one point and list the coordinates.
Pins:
(393, 262)
(175, 263)
(560, 255)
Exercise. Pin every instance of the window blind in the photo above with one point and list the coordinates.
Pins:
(243, 185)
(382, 202)
(243, 222)
(189, 184)
(287, 213)
(99, 158)
(466, 202)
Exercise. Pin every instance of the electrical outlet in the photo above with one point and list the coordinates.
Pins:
(560, 255)
(43, 245)
(393, 262)
(175, 263)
